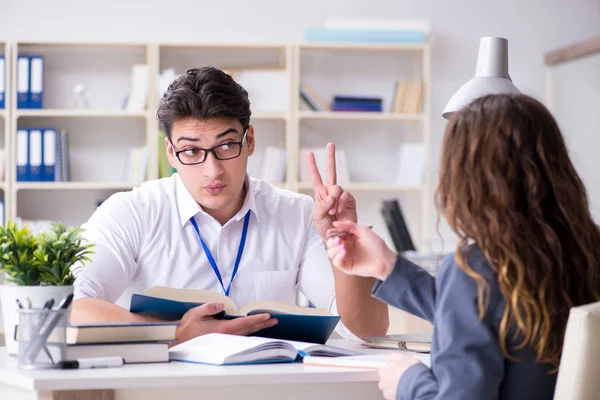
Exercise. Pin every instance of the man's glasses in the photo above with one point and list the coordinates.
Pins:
(224, 151)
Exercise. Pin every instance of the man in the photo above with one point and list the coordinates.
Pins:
(211, 226)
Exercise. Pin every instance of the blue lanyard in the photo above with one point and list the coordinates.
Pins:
(211, 260)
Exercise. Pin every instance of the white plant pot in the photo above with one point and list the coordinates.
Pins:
(38, 295)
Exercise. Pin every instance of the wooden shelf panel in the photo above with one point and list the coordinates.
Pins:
(267, 116)
(73, 186)
(344, 115)
(365, 46)
(369, 186)
(81, 113)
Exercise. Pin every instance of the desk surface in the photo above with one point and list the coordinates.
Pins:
(181, 374)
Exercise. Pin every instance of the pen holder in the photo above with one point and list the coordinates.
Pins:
(42, 337)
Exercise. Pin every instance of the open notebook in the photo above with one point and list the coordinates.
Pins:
(368, 361)
(304, 324)
(225, 349)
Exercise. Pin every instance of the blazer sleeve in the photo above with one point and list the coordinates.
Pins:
(467, 361)
(409, 288)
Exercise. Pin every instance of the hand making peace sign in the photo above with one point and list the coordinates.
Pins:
(331, 201)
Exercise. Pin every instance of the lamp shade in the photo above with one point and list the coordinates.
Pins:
(491, 75)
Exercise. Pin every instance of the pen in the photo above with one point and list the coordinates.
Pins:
(91, 362)
(345, 233)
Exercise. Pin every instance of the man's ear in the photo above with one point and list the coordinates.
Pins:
(250, 140)
(171, 154)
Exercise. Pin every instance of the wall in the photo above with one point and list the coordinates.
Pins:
(575, 103)
(531, 26)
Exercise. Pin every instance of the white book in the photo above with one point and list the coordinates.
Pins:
(225, 349)
(341, 162)
(138, 97)
(411, 166)
(367, 23)
(267, 89)
(273, 165)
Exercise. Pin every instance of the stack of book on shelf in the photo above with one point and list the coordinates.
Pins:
(224, 349)
(30, 81)
(384, 30)
(356, 103)
(136, 165)
(407, 97)
(42, 155)
(273, 165)
(136, 342)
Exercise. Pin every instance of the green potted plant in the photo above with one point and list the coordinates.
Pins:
(37, 268)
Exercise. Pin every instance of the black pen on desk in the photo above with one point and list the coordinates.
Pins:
(91, 362)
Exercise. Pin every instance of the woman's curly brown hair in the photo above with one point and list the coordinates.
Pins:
(507, 184)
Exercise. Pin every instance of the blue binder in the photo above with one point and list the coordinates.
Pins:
(35, 155)
(36, 81)
(2, 82)
(23, 82)
(49, 155)
(22, 155)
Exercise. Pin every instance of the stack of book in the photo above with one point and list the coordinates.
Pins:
(142, 342)
(356, 103)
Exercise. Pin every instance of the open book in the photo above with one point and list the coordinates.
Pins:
(224, 349)
(418, 342)
(305, 324)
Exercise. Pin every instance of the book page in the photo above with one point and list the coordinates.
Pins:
(278, 307)
(192, 296)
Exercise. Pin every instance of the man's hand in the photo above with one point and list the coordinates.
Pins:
(331, 201)
(199, 321)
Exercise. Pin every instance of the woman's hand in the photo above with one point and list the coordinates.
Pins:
(359, 251)
(390, 374)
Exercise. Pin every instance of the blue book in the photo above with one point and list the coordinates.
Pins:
(2, 82)
(23, 79)
(384, 36)
(304, 324)
(36, 82)
(22, 147)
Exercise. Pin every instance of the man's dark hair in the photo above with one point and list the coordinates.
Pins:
(203, 93)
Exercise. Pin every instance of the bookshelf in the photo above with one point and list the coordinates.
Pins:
(5, 129)
(100, 135)
(370, 140)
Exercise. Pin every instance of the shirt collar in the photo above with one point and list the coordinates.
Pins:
(188, 207)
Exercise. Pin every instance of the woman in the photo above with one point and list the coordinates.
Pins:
(529, 251)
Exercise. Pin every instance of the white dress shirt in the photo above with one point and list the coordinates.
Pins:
(144, 238)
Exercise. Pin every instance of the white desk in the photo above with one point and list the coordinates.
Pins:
(177, 380)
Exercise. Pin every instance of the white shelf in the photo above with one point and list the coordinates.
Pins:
(371, 116)
(81, 113)
(365, 46)
(73, 185)
(369, 186)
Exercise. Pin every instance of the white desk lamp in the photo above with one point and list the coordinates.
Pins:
(491, 75)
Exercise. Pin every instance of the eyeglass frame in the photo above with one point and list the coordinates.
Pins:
(212, 150)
